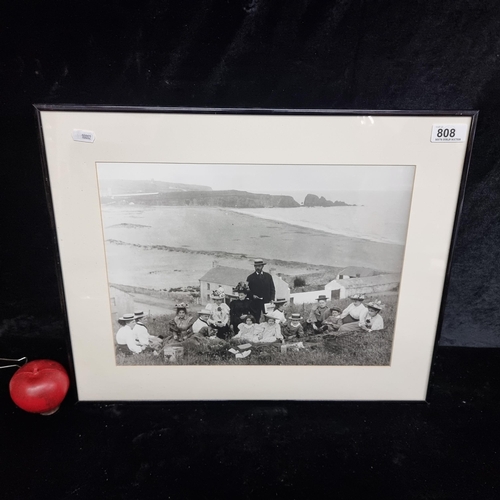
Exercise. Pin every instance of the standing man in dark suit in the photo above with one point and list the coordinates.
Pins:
(262, 289)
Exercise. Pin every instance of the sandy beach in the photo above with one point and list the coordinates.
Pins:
(352, 221)
(163, 247)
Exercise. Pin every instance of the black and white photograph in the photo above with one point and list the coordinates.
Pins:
(262, 239)
(243, 264)
(212, 244)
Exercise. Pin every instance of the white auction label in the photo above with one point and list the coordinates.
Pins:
(449, 133)
(83, 135)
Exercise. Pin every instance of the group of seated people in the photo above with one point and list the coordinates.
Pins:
(133, 336)
(355, 317)
(218, 323)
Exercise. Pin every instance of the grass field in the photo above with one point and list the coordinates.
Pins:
(360, 349)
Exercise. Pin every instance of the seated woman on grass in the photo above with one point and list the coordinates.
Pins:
(269, 331)
(126, 339)
(247, 331)
(369, 321)
(239, 308)
(353, 311)
(180, 327)
(219, 315)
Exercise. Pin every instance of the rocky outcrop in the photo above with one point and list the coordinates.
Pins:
(311, 200)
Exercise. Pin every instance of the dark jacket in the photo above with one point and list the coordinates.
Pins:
(262, 286)
(237, 308)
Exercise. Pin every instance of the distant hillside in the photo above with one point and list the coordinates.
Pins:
(120, 186)
(152, 192)
(228, 199)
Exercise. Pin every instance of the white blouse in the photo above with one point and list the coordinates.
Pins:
(353, 311)
(373, 323)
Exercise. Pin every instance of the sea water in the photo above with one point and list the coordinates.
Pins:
(377, 216)
(199, 235)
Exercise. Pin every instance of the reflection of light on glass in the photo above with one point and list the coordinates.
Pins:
(367, 120)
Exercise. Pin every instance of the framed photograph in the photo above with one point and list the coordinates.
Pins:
(211, 254)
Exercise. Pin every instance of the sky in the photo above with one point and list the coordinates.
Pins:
(268, 178)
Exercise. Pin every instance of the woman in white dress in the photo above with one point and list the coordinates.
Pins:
(353, 311)
(127, 341)
(219, 315)
(369, 321)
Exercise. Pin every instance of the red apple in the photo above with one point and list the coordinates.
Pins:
(39, 386)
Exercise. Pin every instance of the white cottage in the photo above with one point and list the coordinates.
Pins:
(227, 277)
(355, 272)
(342, 288)
(121, 303)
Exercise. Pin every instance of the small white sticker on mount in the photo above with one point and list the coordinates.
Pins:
(83, 135)
(449, 133)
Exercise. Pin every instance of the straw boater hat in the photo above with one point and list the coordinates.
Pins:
(127, 317)
(322, 297)
(259, 262)
(280, 301)
(204, 312)
(182, 305)
(295, 317)
(377, 305)
(139, 314)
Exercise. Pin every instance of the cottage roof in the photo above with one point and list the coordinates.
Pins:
(223, 275)
(381, 279)
(354, 270)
